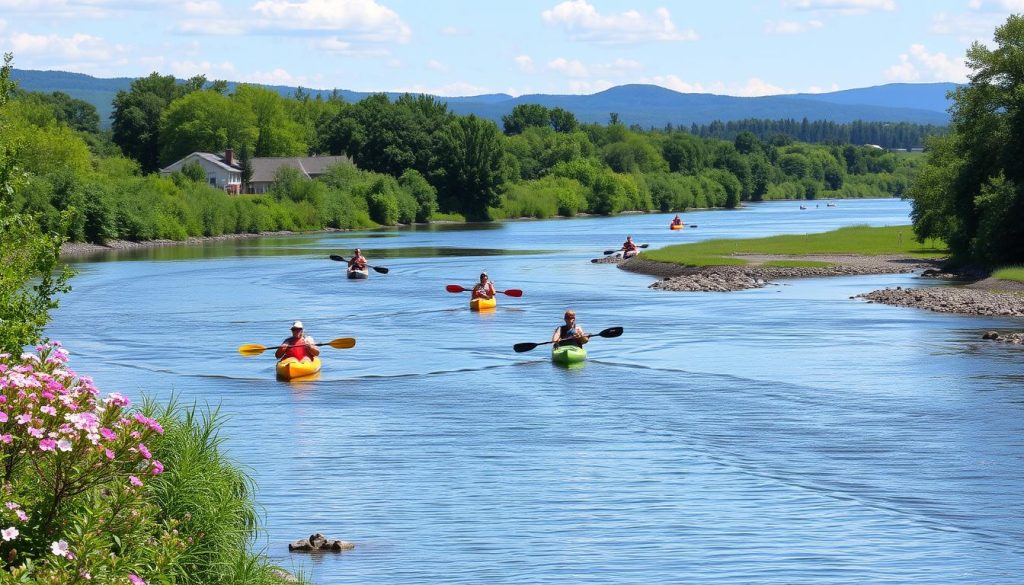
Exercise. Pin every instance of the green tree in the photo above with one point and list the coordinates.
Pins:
(137, 112)
(563, 120)
(203, 121)
(245, 165)
(972, 190)
(685, 153)
(277, 134)
(473, 167)
(525, 116)
(30, 280)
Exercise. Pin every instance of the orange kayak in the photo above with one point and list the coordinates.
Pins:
(675, 226)
(482, 304)
(290, 368)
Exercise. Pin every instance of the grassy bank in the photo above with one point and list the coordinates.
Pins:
(868, 241)
(1014, 273)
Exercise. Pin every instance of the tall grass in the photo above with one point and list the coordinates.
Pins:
(868, 241)
(210, 497)
(1015, 273)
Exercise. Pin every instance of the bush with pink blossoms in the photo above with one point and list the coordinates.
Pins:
(83, 497)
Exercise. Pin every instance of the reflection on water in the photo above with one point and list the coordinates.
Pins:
(781, 435)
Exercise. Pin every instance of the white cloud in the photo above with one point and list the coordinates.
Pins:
(918, 64)
(73, 9)
(276, 76)
(186, 69)
(969, 26)
(362, 20)
(578, 69)
(525, 63)
(588, 87)
(583, 22)
(435, 65)
(790, 27)
(340, 47)
(454, 31)
(997, 5)
(459, 88)
(203, 8)
(77, 47)
(844, 6)
(212, 26)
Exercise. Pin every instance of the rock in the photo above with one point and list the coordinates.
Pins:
(318, 542)
(991, 335)
(284, 576)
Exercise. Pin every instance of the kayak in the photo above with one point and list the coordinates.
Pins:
(480, 304)
(359, 274)
(568, 354)
(630, 253)
(290, 367)
(675, 226)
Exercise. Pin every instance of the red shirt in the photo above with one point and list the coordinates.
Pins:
(298, 349)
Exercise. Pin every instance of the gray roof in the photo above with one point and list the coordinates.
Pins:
(264, 168)
(216, 159)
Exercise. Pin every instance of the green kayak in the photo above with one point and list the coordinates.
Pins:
(568, 354)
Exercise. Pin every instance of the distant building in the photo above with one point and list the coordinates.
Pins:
(224, 172)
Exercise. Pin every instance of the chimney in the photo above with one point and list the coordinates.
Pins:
(229, 156)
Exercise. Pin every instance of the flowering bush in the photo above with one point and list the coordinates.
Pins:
(74, 467)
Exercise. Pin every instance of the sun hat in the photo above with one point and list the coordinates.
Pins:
(297, 325)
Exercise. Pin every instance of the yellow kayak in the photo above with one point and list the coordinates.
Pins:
(481, 304)
(290, 367)
(675, 226)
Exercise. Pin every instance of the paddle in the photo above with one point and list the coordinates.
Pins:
(380, 269)
(512, 292)
(610, 332)
(606, 252)
(251, 349)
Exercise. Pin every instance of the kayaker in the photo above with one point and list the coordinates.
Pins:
(570, 333)
(677, 220)
(299, 346)
(484, 289)
(358, 262)
(629, 248)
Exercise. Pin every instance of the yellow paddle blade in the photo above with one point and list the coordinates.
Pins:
(252, 349)
(343, 343)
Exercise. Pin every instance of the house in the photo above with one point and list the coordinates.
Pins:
(224, 172)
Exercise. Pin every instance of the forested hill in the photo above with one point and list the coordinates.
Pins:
(643, 105)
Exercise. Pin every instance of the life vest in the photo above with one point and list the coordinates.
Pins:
(296, 351)
(565, 332)
(478, 291)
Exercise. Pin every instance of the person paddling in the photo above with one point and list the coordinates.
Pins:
(677, 220)
(358, 262)
(484, 289)
(629, 248)
(570, 333)
(299, 346)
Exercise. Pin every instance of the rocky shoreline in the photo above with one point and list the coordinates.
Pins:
(756, 274)
(988, 297)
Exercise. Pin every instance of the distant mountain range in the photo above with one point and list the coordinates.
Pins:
(645, 105)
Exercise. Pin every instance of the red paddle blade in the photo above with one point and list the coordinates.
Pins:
(513, 292)
(454, 288)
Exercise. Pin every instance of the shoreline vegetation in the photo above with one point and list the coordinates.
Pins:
(733, 265)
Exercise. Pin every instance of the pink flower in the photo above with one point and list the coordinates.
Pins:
(37, 433)
(21, 515)
(109, 454)
(60, 548)
(3, 416)
(64, 445)
(135, 579)
(116, 399)
(23, 419)
(108, 434)
(6, 438)
(134, 481)
(47, 409)
(47, 445)
(9, 533)
(158, 467)
(144, 452)
(12, 505)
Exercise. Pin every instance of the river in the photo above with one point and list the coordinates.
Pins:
(777, 436)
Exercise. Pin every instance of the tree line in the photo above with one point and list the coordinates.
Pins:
(898, 135)
(414, 161)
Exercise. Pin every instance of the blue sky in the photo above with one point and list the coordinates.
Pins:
(469, 47)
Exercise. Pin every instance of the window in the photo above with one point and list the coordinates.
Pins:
(213, 181)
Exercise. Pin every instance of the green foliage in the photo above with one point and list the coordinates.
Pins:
(869, 241)
(971, 191)
(1014, 273)
(137, 112)
(525, 116)
(203, 121)
(193, 171)
(422, 192)
(473, 166)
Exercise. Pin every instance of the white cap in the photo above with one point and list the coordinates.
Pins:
(297, 325)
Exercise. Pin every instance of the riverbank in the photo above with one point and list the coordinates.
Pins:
(989, 297)
(758, 270)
